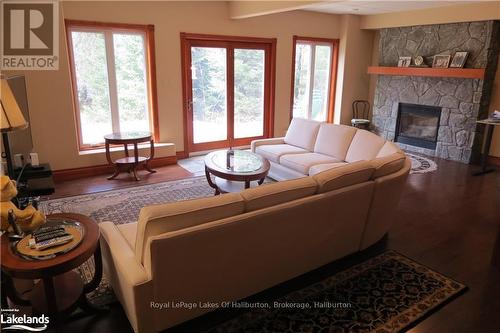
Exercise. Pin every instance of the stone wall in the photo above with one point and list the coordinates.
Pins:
(462, 100)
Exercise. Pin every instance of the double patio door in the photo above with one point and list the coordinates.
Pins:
(227, 91)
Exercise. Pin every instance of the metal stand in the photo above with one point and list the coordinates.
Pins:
(484, 156)
(7, 155)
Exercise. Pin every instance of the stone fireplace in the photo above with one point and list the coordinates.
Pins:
(417, 125)
(456, 102)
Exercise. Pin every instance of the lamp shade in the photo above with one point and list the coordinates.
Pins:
(12, 116)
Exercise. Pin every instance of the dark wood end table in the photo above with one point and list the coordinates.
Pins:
(130, 163)
(234, 170)
(60, 290)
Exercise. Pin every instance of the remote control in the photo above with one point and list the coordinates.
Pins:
(53, 242)
(50, 235)
(44, 230)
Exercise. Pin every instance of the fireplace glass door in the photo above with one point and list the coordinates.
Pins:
(418, 125)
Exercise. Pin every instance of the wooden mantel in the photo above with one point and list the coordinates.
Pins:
(467, 73)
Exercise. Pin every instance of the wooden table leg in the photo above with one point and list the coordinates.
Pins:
(110, 162)
(116, 173)
(136, 162)
(151, 155)
(50, 297)
(210, 182)
(83, 302)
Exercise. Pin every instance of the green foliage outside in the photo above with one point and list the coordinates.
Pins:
(130, 77)
(249, 85)
(209, 84)
(92, 76)
(320, 84)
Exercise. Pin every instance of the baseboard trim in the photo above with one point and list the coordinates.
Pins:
(495, 160)
(77, 173)
(182, 155)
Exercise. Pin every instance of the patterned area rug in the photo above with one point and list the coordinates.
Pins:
(123, 206)
(421, 164)
(386, 294)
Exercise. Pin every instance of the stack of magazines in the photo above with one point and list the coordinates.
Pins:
(495, 116)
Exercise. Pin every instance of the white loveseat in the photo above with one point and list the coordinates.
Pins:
(311, 147)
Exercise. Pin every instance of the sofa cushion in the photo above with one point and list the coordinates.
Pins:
(364, 146)
(274, 152)
(302, 133)
(278, 193)
(302, 162)
(315, 169)
(334, 140)
(388, 164)
(350, 174)
(129, 232)
(389, 148)
(159, 219)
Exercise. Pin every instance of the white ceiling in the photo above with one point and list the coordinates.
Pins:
(377, 7)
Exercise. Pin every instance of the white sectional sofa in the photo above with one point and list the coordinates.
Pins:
(311, 147)
(228, 247)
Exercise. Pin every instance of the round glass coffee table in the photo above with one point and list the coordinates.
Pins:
(235, 170)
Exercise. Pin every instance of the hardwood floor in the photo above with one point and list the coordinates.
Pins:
(447, 220)
(99, 183)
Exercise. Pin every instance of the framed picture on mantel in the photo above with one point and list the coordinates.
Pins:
(441, 61)
(459, 59)
(404, 61)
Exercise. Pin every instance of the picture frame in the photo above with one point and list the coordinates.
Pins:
(441, 61)
(459, 59)
(404, 61)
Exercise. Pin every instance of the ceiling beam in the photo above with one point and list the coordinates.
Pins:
(246, 9)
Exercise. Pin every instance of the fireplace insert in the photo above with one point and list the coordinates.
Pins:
(418, 125)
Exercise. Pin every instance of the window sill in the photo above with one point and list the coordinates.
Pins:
(121, 148)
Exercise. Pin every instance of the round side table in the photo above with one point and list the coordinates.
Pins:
(60, 289)
(128, 162)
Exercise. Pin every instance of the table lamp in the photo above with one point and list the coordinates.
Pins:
(12, 119)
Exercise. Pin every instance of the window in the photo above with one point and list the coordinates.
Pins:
(113, 77)
(313, 80)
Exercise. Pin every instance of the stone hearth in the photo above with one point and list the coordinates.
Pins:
(463, 101)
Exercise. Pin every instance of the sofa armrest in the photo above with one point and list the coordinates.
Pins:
(261, 142)
(122, 255)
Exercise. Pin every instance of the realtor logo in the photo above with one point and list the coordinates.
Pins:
(30, 35)
(12, 320)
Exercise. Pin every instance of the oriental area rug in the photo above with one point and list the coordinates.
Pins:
(388, 293)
